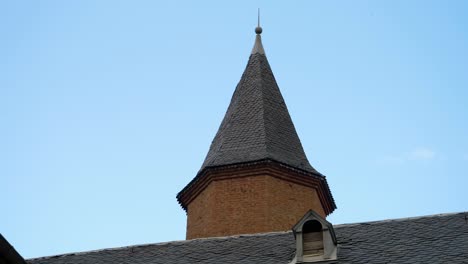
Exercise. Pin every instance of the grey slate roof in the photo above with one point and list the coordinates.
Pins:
(428, 239)
(257, 124)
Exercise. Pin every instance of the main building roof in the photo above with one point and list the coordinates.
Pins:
(429, 239)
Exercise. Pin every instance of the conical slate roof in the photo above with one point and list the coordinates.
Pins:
(257, 125)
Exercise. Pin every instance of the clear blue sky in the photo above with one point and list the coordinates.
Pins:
(107, 109)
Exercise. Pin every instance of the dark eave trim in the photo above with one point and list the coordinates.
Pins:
(258, 168)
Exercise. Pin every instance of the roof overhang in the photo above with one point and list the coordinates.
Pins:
(258, 168)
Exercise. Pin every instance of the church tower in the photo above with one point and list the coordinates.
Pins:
(256, 177)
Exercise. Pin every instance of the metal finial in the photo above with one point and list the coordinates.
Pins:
(258, 29)
(258, 16)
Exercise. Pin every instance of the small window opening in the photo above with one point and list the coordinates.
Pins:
(312, 238)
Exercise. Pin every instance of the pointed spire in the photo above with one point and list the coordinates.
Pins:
(256, 138)
(257, 125)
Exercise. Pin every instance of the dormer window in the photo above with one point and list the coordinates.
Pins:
(315, 239)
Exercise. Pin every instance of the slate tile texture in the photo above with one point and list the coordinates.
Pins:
(427, 239)
(257, 124)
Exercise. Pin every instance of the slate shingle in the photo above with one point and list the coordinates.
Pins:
(257, 124)
(429, 239)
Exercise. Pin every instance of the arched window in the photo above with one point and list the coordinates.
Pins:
(312, 237)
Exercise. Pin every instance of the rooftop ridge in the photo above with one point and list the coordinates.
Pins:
(402, 219)
(173, 242)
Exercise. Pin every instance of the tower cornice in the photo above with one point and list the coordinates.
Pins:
(264, 167)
